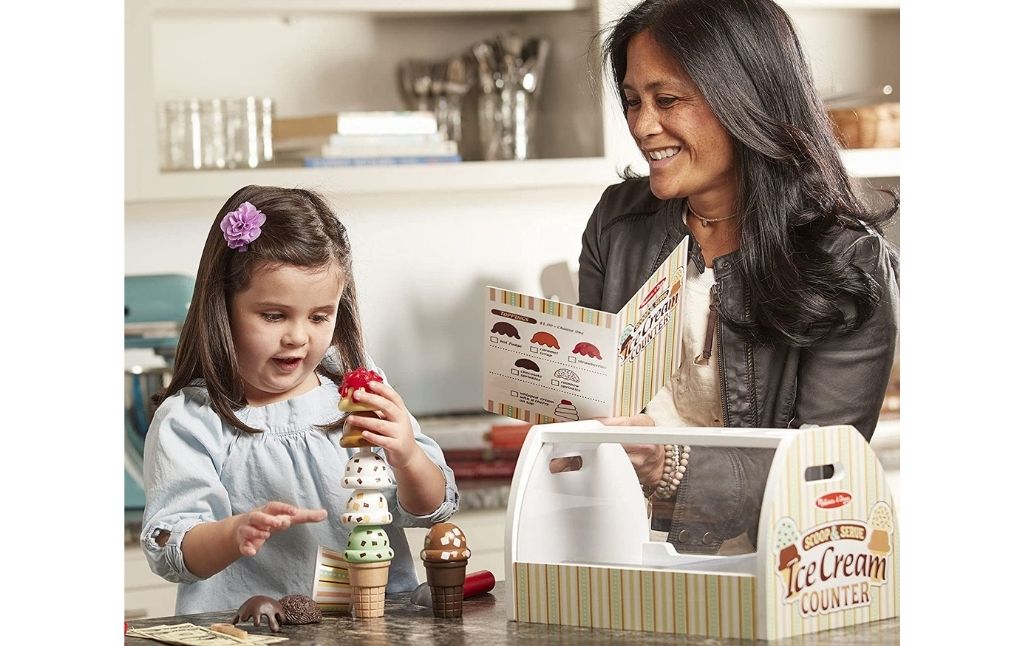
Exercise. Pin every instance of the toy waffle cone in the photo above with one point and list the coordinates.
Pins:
(353, 435)
(367, 582)
(446, 581)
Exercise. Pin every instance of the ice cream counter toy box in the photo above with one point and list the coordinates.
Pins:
(578, 546)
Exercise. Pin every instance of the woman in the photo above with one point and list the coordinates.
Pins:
(791, 310)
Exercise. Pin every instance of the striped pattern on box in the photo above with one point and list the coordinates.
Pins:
(790, 497)
(586, 315)
(330, 587)
(639, 379)
(631, 599)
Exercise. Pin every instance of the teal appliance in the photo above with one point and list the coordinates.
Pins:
(154, 310)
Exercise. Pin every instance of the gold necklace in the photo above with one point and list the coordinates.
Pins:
(703, 220)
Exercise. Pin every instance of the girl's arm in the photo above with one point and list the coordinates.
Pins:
(210, 547)
(421, 485)
(189, 530)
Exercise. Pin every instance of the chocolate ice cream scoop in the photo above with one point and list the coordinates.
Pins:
(300, 609)
(445, 542)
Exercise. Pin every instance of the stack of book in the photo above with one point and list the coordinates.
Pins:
(362, 139)
(475, 447)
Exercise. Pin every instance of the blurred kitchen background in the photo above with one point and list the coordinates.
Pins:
(506, 137)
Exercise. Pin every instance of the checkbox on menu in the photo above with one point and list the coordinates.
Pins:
(494, 339)
(533, 349)
(554, 382)
(572, 359)
(515, 372)
(514, 394)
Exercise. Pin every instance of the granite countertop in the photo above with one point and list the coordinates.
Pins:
(484, 622)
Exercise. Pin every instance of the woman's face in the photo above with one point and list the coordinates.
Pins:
(688, 150)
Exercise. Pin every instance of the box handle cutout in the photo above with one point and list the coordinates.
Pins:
(565, 464)
(823, 472)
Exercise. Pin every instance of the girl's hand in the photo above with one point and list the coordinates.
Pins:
(648, 460)
(252, 529)
(392, 431)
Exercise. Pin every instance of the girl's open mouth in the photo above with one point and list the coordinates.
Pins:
(288, 364)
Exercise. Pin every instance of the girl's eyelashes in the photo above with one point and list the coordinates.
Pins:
(274, 317)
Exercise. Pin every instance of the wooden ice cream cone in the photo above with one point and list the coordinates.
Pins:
(368, 581)
(446, 582)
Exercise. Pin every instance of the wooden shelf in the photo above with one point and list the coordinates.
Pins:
(404, 7)
(465, 176)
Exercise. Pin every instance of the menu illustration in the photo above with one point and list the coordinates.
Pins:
(547, 361)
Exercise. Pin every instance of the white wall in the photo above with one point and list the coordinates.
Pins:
(421, 264)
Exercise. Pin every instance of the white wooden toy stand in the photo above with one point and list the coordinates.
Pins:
(578, 549)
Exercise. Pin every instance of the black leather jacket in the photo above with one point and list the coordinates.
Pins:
(839, 381)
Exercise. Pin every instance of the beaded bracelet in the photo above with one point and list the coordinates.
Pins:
(676, 460)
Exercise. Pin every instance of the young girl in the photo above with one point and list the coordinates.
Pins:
(242, 462)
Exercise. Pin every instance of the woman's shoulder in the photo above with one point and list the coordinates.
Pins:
(861, 243)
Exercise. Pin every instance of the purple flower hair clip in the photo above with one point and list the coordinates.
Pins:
(242, 226)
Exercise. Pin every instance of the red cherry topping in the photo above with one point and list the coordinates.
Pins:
(566, 401)
(356, 379)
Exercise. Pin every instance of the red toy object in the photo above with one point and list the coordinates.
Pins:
(351, 383)
(356, 379)
(476, 583)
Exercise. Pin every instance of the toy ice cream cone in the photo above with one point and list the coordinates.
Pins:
(786, 537)
(351, 383)
(369, 560)
(445, 555)
(368, 553)
(368, 582)
(878, 543)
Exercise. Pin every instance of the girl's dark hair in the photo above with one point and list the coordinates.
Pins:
(745, 58)
(300, 230)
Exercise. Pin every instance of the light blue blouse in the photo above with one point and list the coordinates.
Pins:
(197, 468)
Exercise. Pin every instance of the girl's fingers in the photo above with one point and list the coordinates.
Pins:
(389, 407)
(382, 441)
(309, 516)
(374, 424)
(264, 521)
(276, 508)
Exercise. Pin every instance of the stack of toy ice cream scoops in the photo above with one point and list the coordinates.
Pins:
(368, 552)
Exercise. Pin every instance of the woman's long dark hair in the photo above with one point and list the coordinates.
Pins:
(745, 58)
(300, 230)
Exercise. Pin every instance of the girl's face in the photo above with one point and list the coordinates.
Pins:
(282, 325)
(688, 150)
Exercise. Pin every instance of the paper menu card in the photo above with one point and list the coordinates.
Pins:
(546, 361)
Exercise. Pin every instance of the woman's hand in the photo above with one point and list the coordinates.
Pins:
(252, 529)
(648, 460)
(393, 430)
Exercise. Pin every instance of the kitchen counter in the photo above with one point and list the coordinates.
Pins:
(484, 622)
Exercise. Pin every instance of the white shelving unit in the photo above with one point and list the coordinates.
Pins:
(580, 125)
